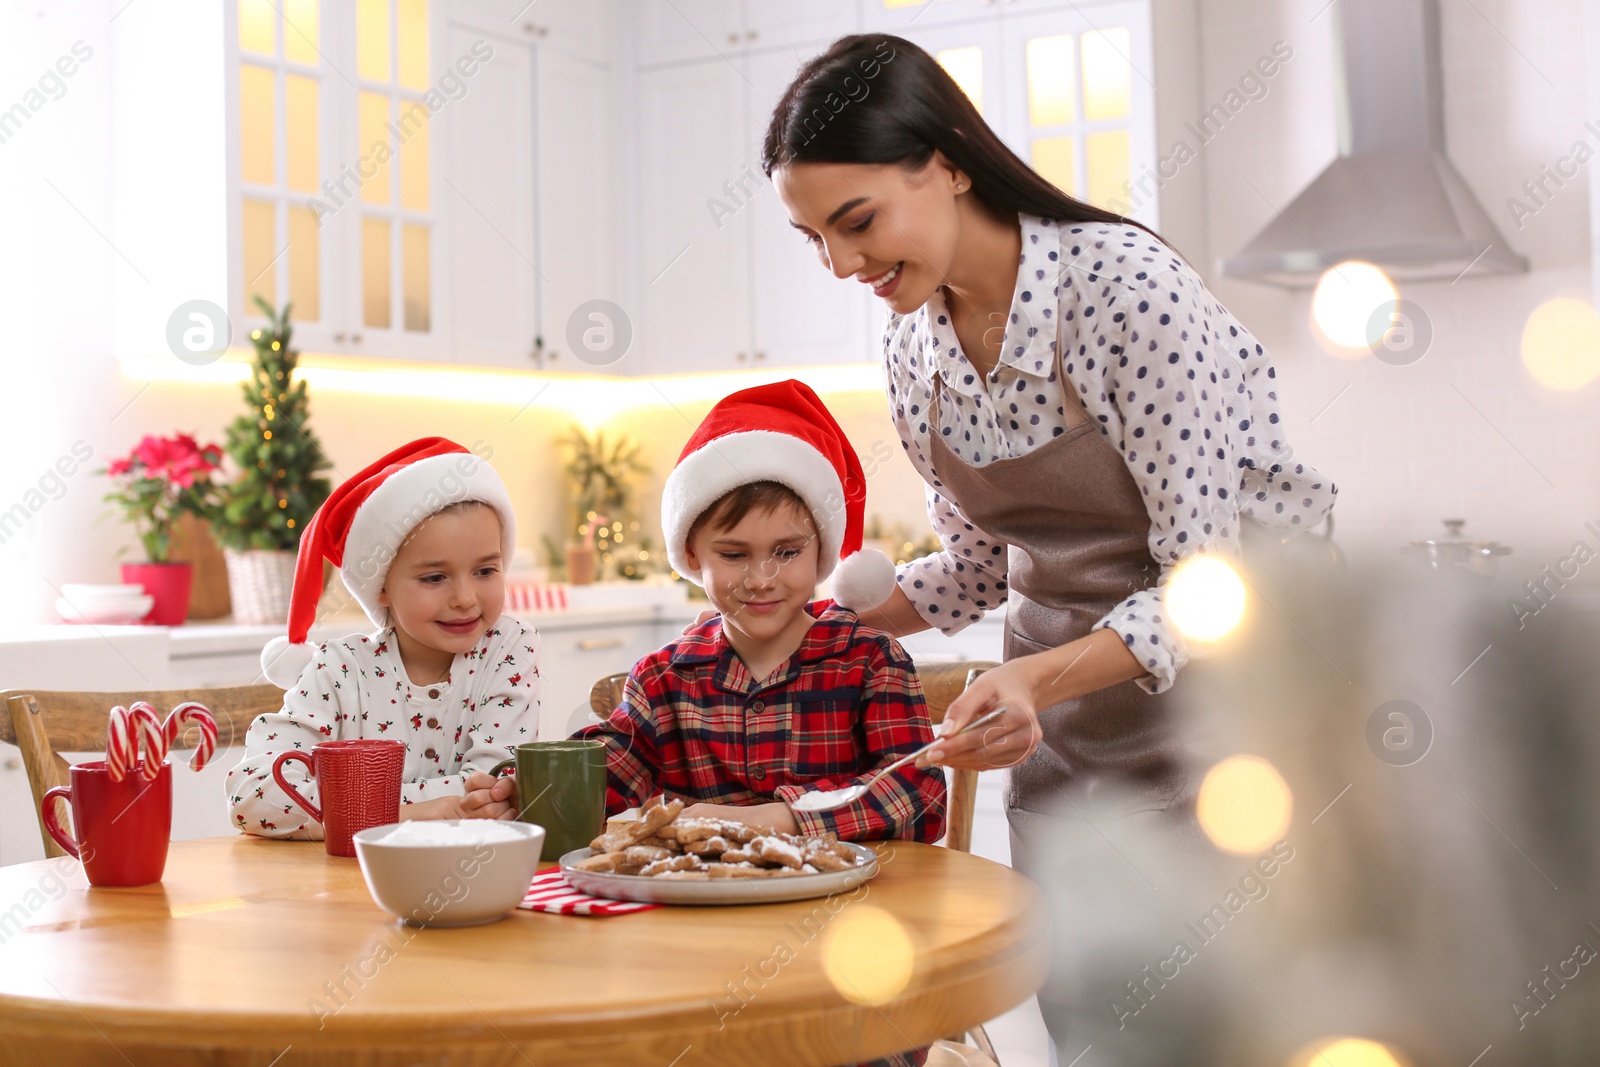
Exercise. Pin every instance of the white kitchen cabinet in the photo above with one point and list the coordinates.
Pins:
(801, 314)
(901, 17)
(671, 31)
(532, 188)
(676, 31)
(743, 289)
(572, 659)
(695, 183)
(582, 28)
(579, 235)
(775, 23)
(489, 200)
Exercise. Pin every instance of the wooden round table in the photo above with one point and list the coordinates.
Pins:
(272, 953)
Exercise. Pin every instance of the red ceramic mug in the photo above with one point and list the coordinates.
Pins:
(359, 783)
(122, 827)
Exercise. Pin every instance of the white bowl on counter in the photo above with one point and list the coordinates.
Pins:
(443, 873)
(104, 610)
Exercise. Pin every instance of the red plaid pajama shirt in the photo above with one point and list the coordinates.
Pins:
(694, 724)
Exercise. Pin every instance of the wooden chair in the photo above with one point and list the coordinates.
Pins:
(941, 684)
(44, 723)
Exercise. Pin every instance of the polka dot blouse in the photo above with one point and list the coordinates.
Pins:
(1175, 382)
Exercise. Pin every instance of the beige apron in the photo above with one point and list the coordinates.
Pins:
(1078, 533)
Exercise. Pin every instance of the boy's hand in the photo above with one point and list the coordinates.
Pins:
(489, 798)
(774, 816)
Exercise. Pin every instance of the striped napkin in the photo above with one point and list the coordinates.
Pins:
(549, 891)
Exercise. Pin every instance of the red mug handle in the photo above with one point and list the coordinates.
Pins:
(294, 794)
(47, 812)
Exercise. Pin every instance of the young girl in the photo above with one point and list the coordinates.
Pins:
(421, 539)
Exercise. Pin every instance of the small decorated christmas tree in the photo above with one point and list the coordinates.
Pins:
(279, 485)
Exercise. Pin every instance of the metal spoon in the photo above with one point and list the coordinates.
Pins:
(833, 799)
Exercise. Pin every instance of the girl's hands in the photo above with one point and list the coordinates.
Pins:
(489, 798)
(1005, 743)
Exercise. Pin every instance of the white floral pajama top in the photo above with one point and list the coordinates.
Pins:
(357, 687)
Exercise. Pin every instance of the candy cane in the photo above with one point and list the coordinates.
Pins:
(191, 713)
(152, 737)
(121, 746)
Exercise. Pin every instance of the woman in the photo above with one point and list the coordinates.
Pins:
(1084, 413)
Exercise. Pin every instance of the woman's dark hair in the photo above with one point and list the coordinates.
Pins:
(875, 99)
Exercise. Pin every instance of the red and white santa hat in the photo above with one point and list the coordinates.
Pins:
(780, 433)
(363, 523)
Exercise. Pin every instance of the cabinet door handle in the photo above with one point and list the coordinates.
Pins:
(356, 338)
(760, 356)
(596, 644)
(738, 357)
(750, 35)
(338, 338)
(733, 38)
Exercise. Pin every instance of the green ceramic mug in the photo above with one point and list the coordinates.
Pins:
(561, 786)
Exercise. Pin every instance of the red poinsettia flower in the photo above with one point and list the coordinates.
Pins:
(159, 479)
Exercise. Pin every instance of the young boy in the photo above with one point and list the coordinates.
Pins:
(421, 539)
(778, 697)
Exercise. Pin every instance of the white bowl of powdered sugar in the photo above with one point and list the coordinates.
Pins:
(458, 872)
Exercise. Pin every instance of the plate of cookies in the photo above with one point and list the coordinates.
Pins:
(663, 859)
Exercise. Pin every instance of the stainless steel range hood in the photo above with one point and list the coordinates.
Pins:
(1393, 197)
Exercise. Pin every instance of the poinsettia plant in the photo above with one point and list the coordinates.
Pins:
(162, 479)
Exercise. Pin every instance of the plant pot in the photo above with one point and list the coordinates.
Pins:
(165, 583)
(581, 563)
(192, 543)
(259, 583)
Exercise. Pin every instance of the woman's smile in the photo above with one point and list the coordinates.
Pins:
(884, 285)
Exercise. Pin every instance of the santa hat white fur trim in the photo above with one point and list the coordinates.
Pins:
(720, 466)
(407, 497)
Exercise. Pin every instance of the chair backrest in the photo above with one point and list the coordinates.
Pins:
(941, 684)
(44, 723)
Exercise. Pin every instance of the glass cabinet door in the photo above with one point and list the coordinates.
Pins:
(336, 201)
(391, 144)
(1081, 102)
(281, 107)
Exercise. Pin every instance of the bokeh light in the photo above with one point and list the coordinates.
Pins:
(1342, 307)
(1205, 597)
(1347, 1052)
(867, 955)
(1244, 805)
(1561, 344)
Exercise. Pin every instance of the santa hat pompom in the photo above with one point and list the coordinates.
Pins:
(863, 580)
(282, 663)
